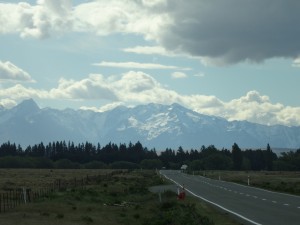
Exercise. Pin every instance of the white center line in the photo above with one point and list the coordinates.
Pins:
(286, 204)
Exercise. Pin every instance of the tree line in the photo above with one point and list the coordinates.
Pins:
(62, 154)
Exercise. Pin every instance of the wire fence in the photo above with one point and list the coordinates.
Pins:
(11, 198)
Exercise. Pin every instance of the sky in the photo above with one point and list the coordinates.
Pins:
(237, 59)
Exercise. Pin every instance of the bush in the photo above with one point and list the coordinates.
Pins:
(151, 164)
(95, 165)
(124, 165)
(25, 162)
(66, 164)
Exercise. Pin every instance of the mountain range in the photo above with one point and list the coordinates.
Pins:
(154, 125)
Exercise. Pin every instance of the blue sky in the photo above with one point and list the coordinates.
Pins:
(237, 59)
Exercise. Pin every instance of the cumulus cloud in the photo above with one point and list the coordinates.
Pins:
(253, 107)
(7, 103)
(19, 92)
(136, 17)
(136, 65)
(9, 71)
(37, 21)
(93, 87)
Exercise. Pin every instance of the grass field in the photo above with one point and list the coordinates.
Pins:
(288, 182)
(39, 178)
(120, 198)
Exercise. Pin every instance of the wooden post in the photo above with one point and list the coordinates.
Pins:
(15, 196)
(0, 203)
(24, 195)
(3, 195)
(7, 200)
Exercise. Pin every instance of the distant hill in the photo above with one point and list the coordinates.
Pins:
(154, 125)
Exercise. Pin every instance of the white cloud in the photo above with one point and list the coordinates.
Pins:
(178, 75)
(104, 108)
(254, 108)
(19, 92)
(7, 103)
(149, 50)
(105, 18)
(136, 65)
(296, 62)
(9, 71)
(93, 87)
(37, 21)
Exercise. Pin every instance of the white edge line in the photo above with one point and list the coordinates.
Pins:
(246, 186)
(213, 203)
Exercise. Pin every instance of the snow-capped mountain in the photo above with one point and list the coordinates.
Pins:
(154, 125)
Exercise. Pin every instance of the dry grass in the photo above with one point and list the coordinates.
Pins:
(41, 178)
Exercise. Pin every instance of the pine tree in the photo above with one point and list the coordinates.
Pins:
(237, 157)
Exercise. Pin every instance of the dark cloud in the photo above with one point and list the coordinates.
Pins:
(234, 30)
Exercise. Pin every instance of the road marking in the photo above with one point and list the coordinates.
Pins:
(264, 199)
(213, 203)
(254, 196)
(286, 204)
(298, 207)
(274, 201)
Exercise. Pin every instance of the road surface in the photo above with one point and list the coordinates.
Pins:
(251, 205)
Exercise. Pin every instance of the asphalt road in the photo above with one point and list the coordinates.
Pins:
(249, 204)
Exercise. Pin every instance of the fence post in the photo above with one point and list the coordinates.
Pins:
(10, 200)
(20, 196)
(24, 195)
(3, 202)
(7, 200)
(15, 196)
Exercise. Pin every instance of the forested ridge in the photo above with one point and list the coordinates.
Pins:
(62, 154)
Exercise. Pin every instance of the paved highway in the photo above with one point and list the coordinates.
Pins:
(252, 205)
